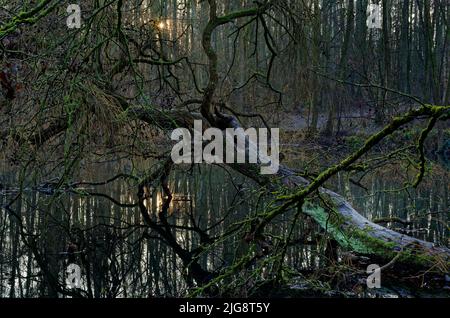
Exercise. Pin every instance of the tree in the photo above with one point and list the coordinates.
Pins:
(114, 82)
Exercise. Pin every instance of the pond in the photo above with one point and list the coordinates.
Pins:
(121, 257)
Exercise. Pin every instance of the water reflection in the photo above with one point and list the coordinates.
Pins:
(104, 232)
(422, 213)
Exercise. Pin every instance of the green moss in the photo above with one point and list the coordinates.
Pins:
(27, 17)
(361, 241)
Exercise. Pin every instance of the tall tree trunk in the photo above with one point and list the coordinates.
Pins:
(405, 62)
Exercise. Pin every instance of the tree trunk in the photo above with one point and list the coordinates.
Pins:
(349, 228)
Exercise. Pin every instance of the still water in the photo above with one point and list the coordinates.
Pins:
(121, 257)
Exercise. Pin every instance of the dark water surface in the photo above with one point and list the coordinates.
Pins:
(122, 258)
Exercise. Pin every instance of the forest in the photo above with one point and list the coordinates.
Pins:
(345, 193)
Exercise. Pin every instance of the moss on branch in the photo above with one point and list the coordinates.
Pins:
(27, 17)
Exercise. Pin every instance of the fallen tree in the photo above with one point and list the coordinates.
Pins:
(337, 216)
(348, 227)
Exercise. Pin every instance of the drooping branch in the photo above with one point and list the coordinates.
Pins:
(420, 145)
(41, 136)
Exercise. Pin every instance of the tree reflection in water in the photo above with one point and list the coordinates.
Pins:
(158, 245)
